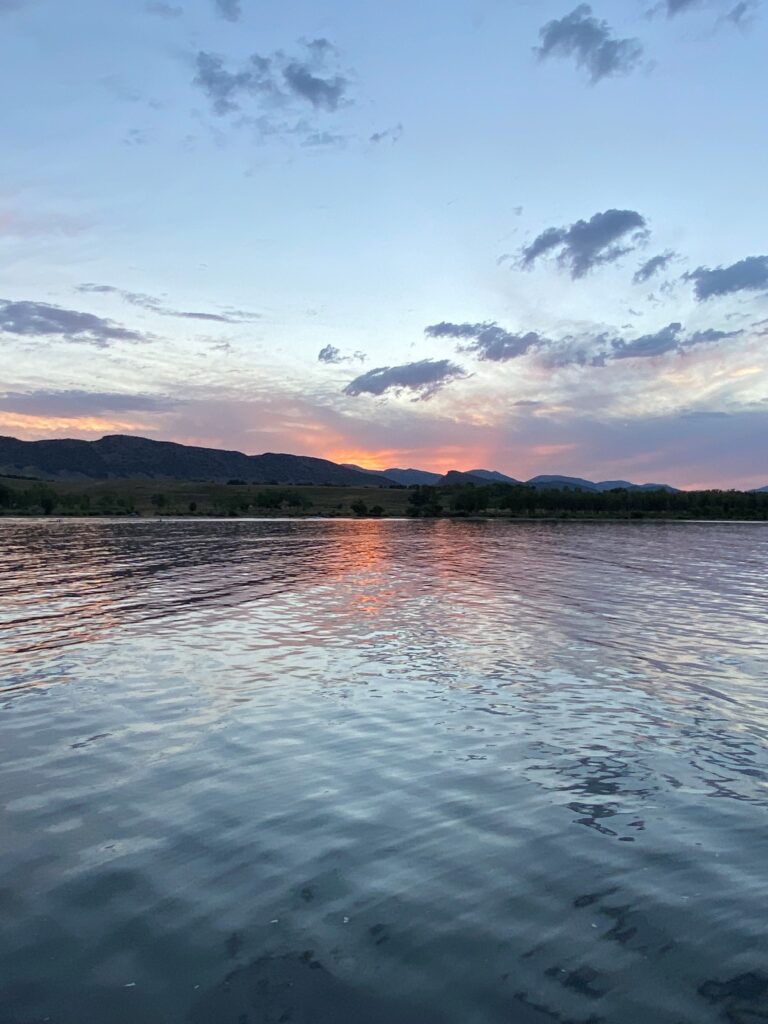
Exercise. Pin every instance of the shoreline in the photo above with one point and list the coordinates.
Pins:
(138, 518)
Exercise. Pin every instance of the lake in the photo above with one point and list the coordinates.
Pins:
(394, 772)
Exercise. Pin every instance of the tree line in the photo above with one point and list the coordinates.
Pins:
(522, 500)
(461, 500)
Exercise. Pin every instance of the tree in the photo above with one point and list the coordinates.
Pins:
(159, 501)
(193, 506)
(359, 508)
(377, 511)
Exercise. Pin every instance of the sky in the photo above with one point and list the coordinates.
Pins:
(522, 235)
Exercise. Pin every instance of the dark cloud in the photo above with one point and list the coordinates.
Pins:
(275, 79)
(652, 266)
(676, 6)
(741, 14)
(648, 345)
(225, 88)
(154, 305)
(320, 92)
(330, 354)
(78, 403)
(424, 379)
(591, 42)
(488, 341)
(40, 320)
(604, 238)
(392, 135)
(163, 10)
(230, 10)
(748, 275)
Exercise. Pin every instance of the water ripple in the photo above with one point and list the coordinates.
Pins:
(383, 771)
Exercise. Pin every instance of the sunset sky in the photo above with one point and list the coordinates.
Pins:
(524, 235)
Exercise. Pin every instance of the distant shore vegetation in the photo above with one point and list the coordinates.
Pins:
(157, 498)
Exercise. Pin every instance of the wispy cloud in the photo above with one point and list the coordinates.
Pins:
(273, 81)
(423, 379)
(41, 320)
(392, 135)
(230, 10)
(587, 244)
(161, 9)
(330, 355)
(652, 267)
(490, 342)
(14, 224)
(748, 275)
(154, 305)
(591, 42)
(76, 402)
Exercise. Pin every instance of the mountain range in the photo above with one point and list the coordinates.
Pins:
(126, 456)
(130, 457)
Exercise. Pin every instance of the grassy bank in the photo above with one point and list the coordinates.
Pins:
(180, 498)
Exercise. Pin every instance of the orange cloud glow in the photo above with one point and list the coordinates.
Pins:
(33, 427)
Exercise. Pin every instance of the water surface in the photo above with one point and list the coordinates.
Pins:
(393, 772)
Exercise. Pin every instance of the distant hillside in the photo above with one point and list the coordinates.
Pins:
(575, 482)
(493, 477)
(411, 477)
(128, 457)
(454, 477)
(562, 483)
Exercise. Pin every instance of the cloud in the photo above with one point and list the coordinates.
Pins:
(649, 345)
(710, 335)
(488, 341)
(320, 92)
(276, 80)
(748, 275)
(224, 88)
(40, 320)
(652, 266)
(17, 225)
(741, 14)
(162, 9)
(79, 403)
(330, 354)
(230, 10)
(591, 42)
(323, 139)
(154, 305)
(392, 135)
(676, 6)
(738, 15)
(604, 238)
(424, 378)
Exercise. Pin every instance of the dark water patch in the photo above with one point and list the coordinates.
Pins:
(297, 988)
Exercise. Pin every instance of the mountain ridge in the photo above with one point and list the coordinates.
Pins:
(129, 456)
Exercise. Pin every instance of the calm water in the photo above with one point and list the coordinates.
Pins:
(383, 772)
